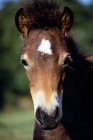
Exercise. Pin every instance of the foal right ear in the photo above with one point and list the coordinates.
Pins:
(66, 20)
(21, 22)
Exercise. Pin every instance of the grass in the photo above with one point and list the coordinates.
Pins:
(17, 125)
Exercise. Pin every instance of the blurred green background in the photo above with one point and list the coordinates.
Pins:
(16, 109)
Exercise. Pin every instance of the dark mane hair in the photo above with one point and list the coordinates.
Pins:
(42, 13)
(81, 61)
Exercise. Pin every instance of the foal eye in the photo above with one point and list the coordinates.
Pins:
(68, 59)
(24, 62)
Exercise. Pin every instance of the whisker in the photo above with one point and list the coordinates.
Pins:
(68, 66)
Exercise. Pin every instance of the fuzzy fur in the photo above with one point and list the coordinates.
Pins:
(42, 14)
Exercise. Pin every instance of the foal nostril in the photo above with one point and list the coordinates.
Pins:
(47, 120)
(39, 115)
(57, 114)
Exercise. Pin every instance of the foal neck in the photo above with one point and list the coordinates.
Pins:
(58, 133)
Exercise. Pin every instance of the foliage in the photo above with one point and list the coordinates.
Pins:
(17, 125)
(83, 24)
(13, 80)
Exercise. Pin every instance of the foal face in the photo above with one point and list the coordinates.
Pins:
(43, 56)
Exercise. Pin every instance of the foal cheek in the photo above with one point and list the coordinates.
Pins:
(32, 92)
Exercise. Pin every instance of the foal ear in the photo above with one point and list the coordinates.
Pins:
(66, 20)
(21, 22)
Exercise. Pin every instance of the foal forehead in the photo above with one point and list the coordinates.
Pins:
(45, 47)
(44, 42)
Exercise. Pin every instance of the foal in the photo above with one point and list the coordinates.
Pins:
(56, 72)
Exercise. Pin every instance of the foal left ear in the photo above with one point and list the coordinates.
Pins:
(21, 22)
(66, 20)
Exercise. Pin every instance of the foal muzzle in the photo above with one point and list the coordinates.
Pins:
(48, 121)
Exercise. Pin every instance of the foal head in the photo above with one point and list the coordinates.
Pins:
(43, 56)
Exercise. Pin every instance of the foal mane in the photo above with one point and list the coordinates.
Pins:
(42, 14)
(81, 62)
